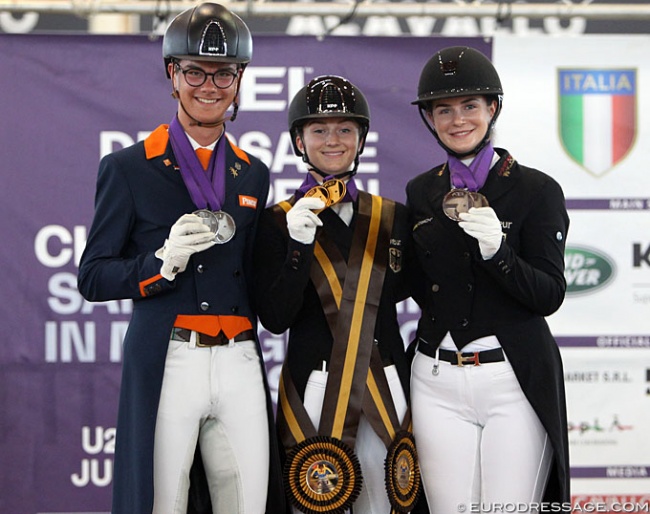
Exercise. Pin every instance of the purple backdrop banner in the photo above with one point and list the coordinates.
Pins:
(68, 100)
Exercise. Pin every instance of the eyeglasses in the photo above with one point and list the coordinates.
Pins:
(196, 77)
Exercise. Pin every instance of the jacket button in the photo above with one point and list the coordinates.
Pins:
(152, 289)
(199, 268)
(464, 323)
(205, 306)
(427, 253)
(470, 288)
(295, 259)
(234, 309)
(435, 288)
(466, 256)
(236, 273)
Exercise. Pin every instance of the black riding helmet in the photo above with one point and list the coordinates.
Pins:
(328, 96)
(458, 71)
(208, 32)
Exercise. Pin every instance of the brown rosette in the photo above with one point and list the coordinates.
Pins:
(403, 483)
(322, 474)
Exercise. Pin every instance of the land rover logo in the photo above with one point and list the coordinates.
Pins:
(586, 270)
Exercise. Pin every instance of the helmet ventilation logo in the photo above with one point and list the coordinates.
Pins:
(450, 67)
(213, 40)
(332, 97)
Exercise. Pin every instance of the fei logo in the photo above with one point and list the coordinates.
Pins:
(597, 116)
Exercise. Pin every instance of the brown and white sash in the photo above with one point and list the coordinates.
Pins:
(350, 293)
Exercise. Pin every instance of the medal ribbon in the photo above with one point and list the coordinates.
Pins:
(207, 188)
(471, 177)
(351, 193)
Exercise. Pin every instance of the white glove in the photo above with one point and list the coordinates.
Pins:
(187, 236)
(483, 224)
(302, 222)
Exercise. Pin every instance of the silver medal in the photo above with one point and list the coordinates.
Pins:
(225, 227)
(221, 224)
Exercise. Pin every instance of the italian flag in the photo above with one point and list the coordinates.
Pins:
(597, 116)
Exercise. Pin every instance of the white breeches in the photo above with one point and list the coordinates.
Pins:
(478, 438)
(216, 396)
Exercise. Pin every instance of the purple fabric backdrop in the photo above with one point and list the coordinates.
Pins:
(66, 101)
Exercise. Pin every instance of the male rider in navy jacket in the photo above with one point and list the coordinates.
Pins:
(175, 220)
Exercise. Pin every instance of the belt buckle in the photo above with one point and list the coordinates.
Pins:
(198, 342)
(212, 341)
(472, 360)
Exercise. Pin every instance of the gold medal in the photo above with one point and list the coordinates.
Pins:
(336, 190)
(403, 483)
(331, 191)
(322, 474)
(457, 201)
(321, 193)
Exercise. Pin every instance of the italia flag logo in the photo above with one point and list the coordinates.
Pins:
(597, 116)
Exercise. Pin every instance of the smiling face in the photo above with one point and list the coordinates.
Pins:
(206, 103)
(331, 144)
(461, 122)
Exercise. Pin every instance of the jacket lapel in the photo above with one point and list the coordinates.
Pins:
(503, 176)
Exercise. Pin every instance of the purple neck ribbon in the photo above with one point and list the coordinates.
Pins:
(471, 177)
(351, 191)
(207, 188)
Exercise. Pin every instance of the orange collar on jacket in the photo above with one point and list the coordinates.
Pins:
(156, 144)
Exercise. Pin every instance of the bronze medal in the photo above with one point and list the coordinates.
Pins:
(478, 200)
(321, 193)
(403, 483)
(322, 474)
(461, 200)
